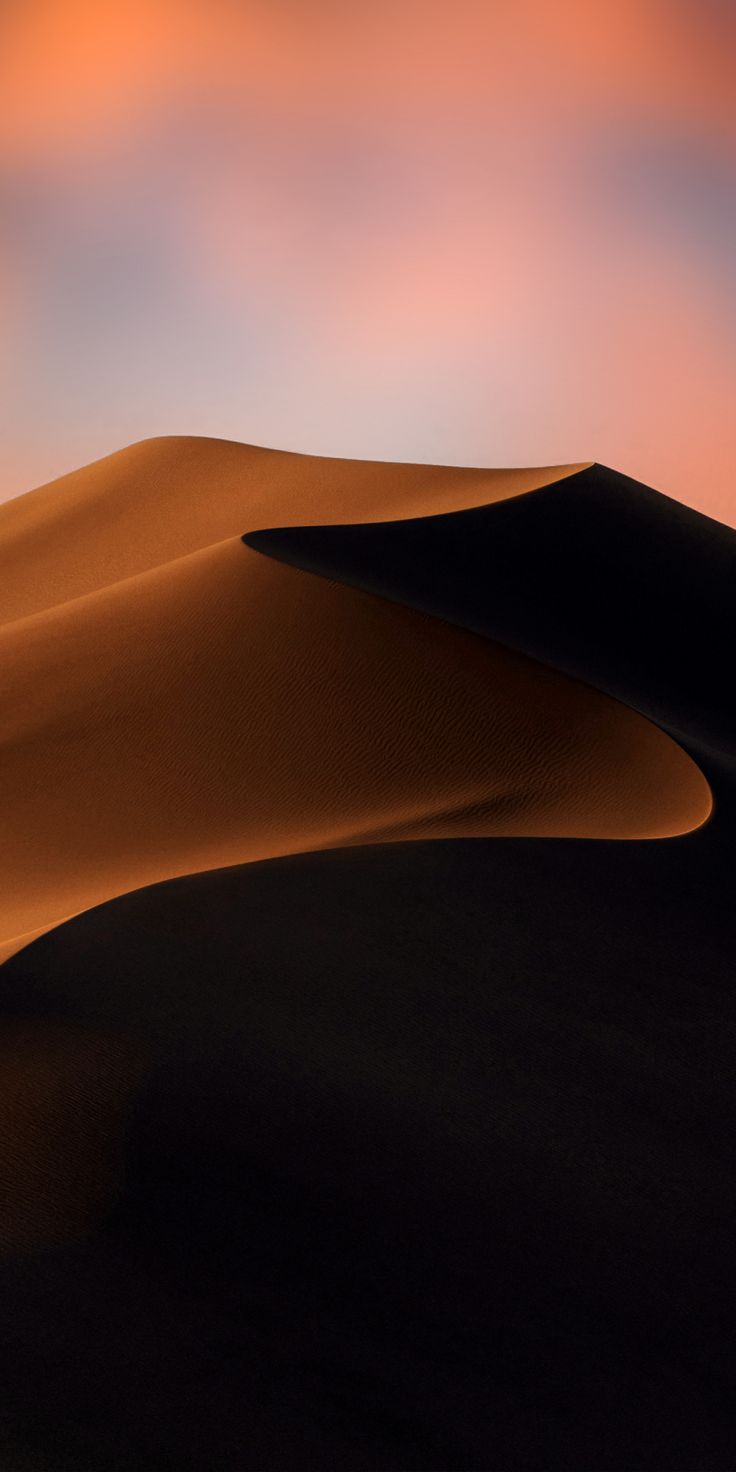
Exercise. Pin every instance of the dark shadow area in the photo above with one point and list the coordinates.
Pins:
(597, 575)
(432, 1169)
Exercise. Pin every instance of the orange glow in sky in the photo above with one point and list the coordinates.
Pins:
(457, 233)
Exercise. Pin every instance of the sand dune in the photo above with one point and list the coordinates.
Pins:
(399, 1155)
(221, 708)
(438, 1131)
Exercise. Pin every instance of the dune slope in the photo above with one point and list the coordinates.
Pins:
(430, 1134)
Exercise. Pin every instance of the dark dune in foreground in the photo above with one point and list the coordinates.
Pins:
(432, 1167)
(412, 1155)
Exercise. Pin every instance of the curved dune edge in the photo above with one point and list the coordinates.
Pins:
(223, 708)
(586, 575)
(161, 499)
(14, 943)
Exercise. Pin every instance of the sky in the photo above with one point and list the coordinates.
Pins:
(464, 233)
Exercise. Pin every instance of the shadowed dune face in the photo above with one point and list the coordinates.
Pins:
(222, 708)
(64, 1096)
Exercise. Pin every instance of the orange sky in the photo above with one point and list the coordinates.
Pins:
(471, 234)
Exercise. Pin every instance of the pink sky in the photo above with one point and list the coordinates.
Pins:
(462, 233)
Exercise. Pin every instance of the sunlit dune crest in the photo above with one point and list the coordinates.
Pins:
(164, 498)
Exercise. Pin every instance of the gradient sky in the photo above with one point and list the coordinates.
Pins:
(486, 234)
